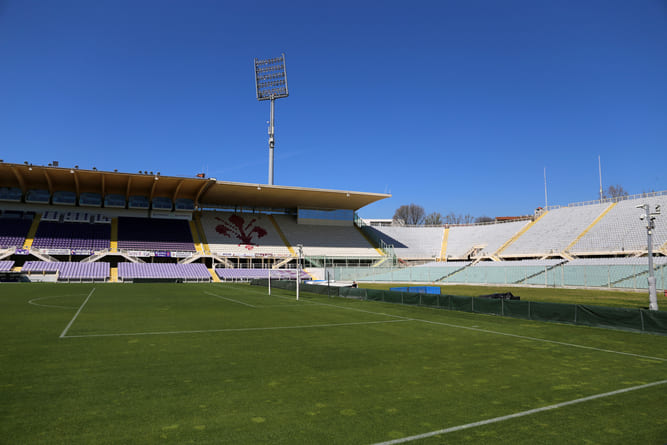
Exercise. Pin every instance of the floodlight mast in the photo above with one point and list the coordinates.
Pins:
(650, 225)
(271, 84)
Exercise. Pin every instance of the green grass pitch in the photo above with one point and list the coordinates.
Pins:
(224, 363)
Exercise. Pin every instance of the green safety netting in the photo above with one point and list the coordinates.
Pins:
(597, 316)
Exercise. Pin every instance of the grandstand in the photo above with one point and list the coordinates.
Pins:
(410, 243)
(480, 241)
(553, 232)
(240, 234)
(63, 224)
(618, 232)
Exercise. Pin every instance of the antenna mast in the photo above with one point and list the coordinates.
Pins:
(600, 173)
(546, 203)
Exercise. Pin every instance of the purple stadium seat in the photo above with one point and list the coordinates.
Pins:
(72, 235)
(13, 232)
(192, 271)
(154, 234)
(6, 265)
(68, 271)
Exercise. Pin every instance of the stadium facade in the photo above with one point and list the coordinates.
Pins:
(71, 224)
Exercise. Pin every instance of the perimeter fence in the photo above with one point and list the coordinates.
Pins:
(641, 320)
(618, 276)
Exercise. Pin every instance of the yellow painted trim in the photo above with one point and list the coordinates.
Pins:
(113, 275)
(443, 247)
(380, 261)
(195, 237)
(518, 234)
(202, 234)
(214, 276)
(597, 220)
(30, 237)
(113, 245)
(369, 240)
(282, 235)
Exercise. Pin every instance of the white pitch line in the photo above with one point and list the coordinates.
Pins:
(331, 325)
(230, 299)
(77, 314)
(354, 309)
(487, 331)
(523, 337)
(32, 302)
(516, 415)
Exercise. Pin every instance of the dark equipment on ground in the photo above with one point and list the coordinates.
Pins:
(502, 296)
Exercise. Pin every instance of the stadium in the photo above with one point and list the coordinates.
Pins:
(72, 225)
(155, 288)
(357, 363)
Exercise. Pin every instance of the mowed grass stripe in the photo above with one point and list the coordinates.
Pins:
(520, 414)
(473, 328)
(268, 328)
(140, 312)
(388, 376)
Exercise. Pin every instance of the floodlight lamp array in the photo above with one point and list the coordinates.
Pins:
(271, 78)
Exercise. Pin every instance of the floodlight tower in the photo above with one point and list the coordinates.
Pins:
(650, 225)
(271, 84)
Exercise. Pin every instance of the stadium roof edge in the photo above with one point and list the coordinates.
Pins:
(204, 192)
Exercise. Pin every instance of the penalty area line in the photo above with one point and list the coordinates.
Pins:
(69, 325)
(230, 299)
(520, 414)
(206, 331)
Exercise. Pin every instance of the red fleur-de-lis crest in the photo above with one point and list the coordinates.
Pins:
(236, 227)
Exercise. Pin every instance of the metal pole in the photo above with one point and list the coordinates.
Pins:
(269, 281)
(298, 270)
(546, 202)
(272, 141)
(600, 173)
(650, 225)
(652, 297)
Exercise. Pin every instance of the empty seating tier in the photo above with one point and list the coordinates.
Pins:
(251, 274)
(329, 241)
(154, 234)
(554, 231)
(621, 231)
(480, 240)
(13, 232)
(410, 242)
(157, 271)
(70, 271)
(72, 235)
(242, 234)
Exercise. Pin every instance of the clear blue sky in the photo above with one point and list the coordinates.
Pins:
(456, 105)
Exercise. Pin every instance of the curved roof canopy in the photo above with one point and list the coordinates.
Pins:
(204, 192)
